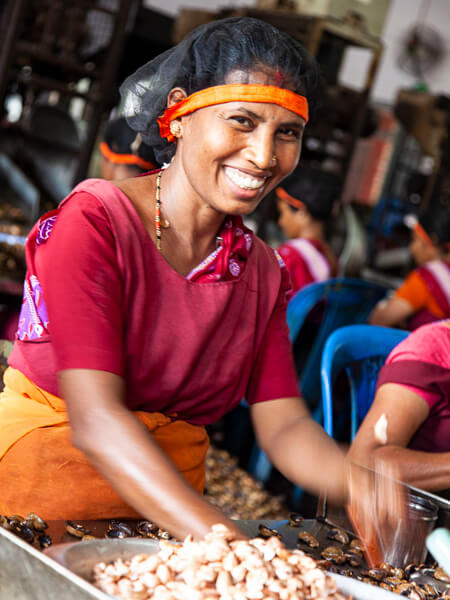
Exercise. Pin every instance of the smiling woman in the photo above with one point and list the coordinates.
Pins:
(150, 310)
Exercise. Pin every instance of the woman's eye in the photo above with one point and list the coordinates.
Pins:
(245, 121)
(290, 133)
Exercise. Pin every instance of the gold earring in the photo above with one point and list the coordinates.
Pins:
(274, 159)
(175, 129)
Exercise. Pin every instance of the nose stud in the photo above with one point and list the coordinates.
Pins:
(274, 159)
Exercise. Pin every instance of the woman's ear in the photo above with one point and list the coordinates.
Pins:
(176, 95)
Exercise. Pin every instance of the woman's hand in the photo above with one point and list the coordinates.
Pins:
(124, 452)
(376, 504)
(305, 454)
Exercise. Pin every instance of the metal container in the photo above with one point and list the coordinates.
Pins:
(81, 557)
(28, 574)
(408, 543)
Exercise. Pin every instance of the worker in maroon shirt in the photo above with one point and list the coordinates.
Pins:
(150, 310)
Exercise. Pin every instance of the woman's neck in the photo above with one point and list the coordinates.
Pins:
(312, 231)
(195, 223)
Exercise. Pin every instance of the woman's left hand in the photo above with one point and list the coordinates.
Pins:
(376, 505)
(305, 454)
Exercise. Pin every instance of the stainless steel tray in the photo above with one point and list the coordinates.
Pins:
(28, 574)
(80, 558)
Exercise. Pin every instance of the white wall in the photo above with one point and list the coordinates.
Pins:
(402, 15)
(171, 7)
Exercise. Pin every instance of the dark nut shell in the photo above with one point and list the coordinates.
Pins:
(338, 535)
(308, 538)
(76, 529)
(44, 540)
(295, 520)
(266, 532)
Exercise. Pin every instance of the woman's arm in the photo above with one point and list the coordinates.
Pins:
(391, 312)
(408, 299)
(123, 452)
(307, 456)
(299, 447)
(405, 412)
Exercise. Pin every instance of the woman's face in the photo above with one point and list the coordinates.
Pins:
(228, 150)
(290, 221)
(422, 252)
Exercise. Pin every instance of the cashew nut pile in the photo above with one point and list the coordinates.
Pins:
(236, 493)
(219, 567)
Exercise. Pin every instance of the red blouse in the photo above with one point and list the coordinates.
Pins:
(113, 303)
(307, 261)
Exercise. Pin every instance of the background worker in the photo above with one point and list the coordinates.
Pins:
(305, 203)
(120, 159)
(425, 294)
(408, 424)
(150, 310)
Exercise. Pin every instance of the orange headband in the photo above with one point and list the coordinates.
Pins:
(124, 159)
(420, 231)
(233, 92)
(283, 195)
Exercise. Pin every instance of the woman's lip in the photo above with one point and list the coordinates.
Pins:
(244, 193)
(250, 173)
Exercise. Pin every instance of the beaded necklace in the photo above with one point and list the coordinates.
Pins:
(158, 211)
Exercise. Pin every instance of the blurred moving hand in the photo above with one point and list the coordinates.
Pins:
(377, 503)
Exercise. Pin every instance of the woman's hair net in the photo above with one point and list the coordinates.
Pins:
(120, 137)
(318, 190)
(203, 59)
(436, 222)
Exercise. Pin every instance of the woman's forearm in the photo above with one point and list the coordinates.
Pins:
(427, 470)
(123, 451)
(307, 456)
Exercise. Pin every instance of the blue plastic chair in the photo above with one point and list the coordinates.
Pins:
(360, 350)
(346, 301)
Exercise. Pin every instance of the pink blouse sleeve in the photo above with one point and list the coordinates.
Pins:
(274, 373)
(419, 346)
(81, 283)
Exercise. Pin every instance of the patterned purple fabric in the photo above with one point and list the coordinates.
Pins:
(45, 228)
(33, 320)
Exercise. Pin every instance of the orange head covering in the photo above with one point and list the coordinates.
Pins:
(282, 194)
(124, 159)
(233, 92)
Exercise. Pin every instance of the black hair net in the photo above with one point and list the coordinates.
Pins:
(203, 59)
(120, 137)
(436, 222)
(317, 190)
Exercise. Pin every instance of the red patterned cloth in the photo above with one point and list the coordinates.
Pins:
(228, 260)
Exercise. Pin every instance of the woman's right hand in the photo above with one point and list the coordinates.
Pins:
(123, 452)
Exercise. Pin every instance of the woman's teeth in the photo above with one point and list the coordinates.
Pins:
(246, 182)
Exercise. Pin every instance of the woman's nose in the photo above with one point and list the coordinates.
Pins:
(261, 149)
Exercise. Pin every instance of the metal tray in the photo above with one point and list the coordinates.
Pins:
(80, 558)
(28, 574)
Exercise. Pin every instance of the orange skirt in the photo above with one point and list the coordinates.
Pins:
(41, 471)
